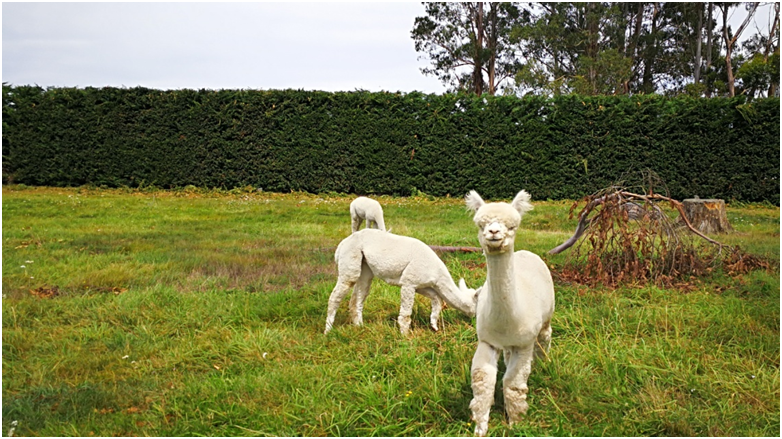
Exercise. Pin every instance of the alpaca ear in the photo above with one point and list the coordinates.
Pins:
(521, 202)
(473, 201)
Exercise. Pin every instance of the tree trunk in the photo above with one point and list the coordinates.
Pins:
(728, 48)
(708, 216)
(697, 74)
(709, 43)
(477, 73)
(592, 48)
(647, 85)
(731, 42)
(772, 88)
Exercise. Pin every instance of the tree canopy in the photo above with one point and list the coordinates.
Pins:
(593, 48)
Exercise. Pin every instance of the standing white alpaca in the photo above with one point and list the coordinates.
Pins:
(363, 208)
(514, 309)
(398, 260)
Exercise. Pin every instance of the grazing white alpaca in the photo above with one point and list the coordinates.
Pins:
(398, 260)
(514, 309)
(363, 208)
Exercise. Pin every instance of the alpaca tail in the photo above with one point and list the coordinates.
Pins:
(336, 252)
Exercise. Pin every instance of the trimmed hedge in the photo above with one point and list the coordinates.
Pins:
(389, 143)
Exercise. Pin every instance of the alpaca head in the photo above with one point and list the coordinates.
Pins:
(497, 222)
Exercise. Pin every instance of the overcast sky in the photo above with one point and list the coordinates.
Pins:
(310, 46)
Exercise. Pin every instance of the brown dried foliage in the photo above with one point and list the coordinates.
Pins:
(630, 239)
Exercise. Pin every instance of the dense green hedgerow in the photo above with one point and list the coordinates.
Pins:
(389, 143)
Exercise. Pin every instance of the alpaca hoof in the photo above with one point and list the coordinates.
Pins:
(481, 430)
(519, 410)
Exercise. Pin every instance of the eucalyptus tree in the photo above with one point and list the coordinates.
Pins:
(680, 60)
(612, 48)
(760, 73)
(731, 38)
(596, 48)
(573, 47)
(468, 44)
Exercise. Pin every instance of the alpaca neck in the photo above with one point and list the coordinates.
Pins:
(455, 297)
(501, 281)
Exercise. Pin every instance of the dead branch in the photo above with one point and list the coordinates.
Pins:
(680, 208)
(446, 249)
(623, 198)
(583, 224)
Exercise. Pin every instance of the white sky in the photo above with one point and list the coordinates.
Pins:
(312, 46)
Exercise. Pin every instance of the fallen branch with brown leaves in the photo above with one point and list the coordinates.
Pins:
(629, 238)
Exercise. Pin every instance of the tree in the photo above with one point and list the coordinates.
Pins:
(730, 40)
(760, 73)
(698, 53)
(573, 47)
(467, 44)
(609, 48)
(670, 53)
(597, 48)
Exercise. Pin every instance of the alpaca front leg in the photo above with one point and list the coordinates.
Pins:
(406, 308)
(514, 384)
(434, 317)
(484, 375)
(337, 294)
(437, 306)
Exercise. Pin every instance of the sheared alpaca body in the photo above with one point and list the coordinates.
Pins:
(513, 313)
(363, 208)
(399, 260)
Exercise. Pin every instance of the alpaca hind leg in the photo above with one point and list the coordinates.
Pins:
(360, 293)
(514, 384)
(355, 223)
(406, 308)
(339, 292)
(543, 342)
(484, 375)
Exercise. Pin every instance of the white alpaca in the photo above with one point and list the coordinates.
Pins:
(398, 260)
(363, 208)
(514, 309)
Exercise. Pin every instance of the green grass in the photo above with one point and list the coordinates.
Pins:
(185, 313)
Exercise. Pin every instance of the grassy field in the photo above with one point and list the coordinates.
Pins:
(179, 313)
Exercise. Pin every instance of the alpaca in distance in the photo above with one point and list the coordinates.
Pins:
(364, 208)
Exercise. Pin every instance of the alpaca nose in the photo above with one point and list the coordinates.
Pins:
(494, 229)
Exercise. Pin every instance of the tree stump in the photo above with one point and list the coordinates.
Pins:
(708, 216)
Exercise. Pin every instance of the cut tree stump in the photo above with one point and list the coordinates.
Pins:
(708, 216)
